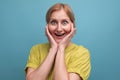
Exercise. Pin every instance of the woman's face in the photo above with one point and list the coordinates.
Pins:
(59, 25)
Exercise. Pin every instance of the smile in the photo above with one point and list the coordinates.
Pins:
(59, 34)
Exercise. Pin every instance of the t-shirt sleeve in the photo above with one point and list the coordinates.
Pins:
(33, 58)
(80, 63)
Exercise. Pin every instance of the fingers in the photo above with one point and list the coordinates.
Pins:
(67, 39)
(49, 35)
(73, 30)
(70, 35)
(47, 32)
(46, 29)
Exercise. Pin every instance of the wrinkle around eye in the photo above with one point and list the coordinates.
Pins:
(53, 22)
(64, 22)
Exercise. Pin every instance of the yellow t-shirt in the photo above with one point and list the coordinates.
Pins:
(77, 59)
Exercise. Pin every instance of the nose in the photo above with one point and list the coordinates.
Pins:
(59, 28)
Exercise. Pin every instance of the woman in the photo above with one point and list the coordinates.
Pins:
(60, 59)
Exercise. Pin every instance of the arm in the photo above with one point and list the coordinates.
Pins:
(41, 73)
(60, 71)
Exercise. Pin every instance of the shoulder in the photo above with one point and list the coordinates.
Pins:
(83, 48)
(80, 50)
(42, 45)
(39, 49)
(79, 47)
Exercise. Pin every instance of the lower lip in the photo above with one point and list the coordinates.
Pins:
(60, 37)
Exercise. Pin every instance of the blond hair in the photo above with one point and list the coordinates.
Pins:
(59, 6)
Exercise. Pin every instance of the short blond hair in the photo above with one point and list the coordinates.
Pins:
(59, 6)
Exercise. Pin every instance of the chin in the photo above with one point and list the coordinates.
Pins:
(58, 41)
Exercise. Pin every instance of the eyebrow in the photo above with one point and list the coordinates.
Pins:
(61, 19)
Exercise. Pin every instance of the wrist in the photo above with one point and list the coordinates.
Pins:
(61, 49)
(53, 49)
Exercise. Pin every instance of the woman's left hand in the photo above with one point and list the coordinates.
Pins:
(63, 44)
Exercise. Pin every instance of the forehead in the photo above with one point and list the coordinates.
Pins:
(60, 14)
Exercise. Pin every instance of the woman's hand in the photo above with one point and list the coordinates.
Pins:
(64, 43)
(52, 42)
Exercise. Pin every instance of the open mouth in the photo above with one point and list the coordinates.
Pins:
(59, 35)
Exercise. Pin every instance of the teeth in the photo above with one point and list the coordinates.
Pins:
(59, 34)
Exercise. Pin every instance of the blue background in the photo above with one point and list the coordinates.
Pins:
(22, 24)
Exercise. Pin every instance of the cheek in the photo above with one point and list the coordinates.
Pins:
(50, 28)
(67, 28)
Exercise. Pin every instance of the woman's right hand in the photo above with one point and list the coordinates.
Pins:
(52, 42)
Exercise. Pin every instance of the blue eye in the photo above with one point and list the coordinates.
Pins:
(53, 22)
(64, 22)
